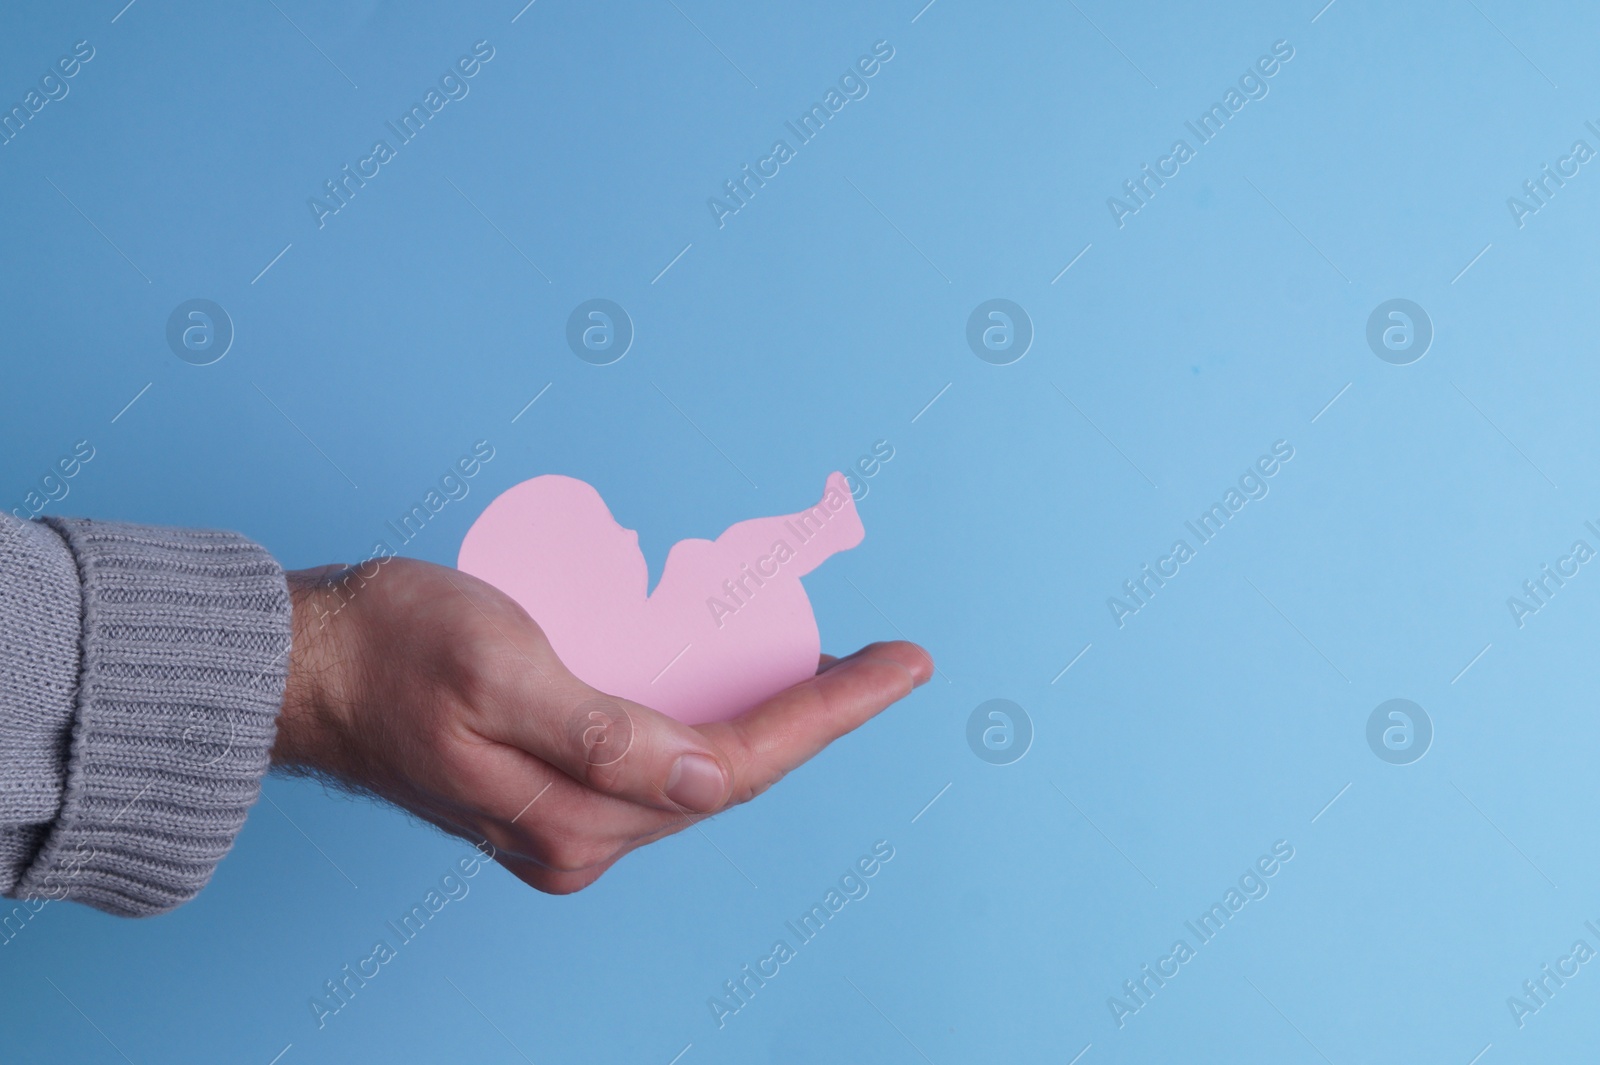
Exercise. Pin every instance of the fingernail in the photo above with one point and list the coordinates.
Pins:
(696, 783)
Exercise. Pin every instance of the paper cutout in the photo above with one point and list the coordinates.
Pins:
(727, 626)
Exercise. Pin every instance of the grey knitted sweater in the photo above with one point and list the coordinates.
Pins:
(141, 672)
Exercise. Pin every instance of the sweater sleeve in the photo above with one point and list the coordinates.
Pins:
(141, 673)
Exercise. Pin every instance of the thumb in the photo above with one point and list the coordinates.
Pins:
(623, 749)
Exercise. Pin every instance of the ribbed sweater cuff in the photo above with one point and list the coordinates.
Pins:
(185, 656)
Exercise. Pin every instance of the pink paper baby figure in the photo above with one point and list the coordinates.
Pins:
(727, 626)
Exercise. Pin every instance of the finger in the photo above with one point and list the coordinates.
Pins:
(786, 730)
(620, 748)
(826, 662)
(531, 810)
(550, 881)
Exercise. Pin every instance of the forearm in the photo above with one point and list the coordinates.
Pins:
(40, 641)
(140, 678)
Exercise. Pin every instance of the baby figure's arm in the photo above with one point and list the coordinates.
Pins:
(795, 544)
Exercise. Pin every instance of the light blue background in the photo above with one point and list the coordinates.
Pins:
(821, 318)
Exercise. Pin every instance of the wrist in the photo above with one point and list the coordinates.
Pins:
(312, 722)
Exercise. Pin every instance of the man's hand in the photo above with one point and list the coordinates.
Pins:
(431, 689)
